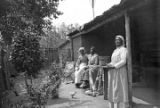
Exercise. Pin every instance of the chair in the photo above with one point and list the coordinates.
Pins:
(103, 76)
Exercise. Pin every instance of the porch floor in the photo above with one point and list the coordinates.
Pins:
(144, 97)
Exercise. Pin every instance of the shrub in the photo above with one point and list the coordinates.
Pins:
(26, 52)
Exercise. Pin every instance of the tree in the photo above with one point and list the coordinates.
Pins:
(21, 24)
(26, 52)
(18, 14)
(56, 35)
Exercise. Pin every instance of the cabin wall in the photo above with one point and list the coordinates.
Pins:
(77, 43)
(109, 31)
(157, 15)
(103, 38)
(144, 42)
(99, 42)
(158, 27)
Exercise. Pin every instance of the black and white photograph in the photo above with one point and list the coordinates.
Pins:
(79, 54)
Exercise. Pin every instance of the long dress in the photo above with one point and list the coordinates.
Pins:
(117, 78)
(81, 65)
(93, 70)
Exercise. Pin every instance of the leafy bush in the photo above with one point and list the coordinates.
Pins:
(26, 52)
(45, 87)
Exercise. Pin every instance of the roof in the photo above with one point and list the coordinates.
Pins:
(109, 15)
(63, 44)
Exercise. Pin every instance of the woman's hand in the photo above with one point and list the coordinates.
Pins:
(110, 66)
(77, 68)
(87, 66)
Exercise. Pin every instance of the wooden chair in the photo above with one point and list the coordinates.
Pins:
(103, 60)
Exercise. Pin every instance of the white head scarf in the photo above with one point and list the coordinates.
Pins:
(122, 38)
(81, 48)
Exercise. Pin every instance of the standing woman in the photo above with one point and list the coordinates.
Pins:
(117, 75)
(81, 65)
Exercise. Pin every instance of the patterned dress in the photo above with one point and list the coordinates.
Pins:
(117, 78)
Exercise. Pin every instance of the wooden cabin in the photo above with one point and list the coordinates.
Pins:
(137, 21)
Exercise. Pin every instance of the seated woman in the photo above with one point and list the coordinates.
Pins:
(81, 65)
(93, 69)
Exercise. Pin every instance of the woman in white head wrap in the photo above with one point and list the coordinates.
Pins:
(81, 65)
(117, 75)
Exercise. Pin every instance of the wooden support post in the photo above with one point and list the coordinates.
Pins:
(105, 83)
(72, 50)
(129, 62)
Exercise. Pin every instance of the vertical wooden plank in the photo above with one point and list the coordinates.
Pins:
(72, 50)
(105, 85)
(103, 60)
(129, 61)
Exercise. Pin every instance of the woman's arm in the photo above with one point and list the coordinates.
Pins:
(122, 62)
(78, 63)
(96, 60)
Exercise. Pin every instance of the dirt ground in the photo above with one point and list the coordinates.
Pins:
(84, 101)
(80, 101)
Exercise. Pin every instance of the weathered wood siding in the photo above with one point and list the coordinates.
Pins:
(77, 43)
(145, 42)
(103, 37)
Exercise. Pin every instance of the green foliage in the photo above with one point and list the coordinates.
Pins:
(21, 23)
(43, 88)
(26, 51)
(18, 14)
(56, 35)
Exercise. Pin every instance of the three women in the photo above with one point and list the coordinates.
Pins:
(117, 74)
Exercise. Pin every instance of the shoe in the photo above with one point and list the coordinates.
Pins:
(77, 85)
(84, 85)
(94, 94)
(88, 92)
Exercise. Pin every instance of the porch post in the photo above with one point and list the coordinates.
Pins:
(129, 61)
(72, 50)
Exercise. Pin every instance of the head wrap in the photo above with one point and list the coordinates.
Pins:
(122, 38)
(81, 48)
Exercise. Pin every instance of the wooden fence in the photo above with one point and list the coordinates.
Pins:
(50, 55)
(64, 56)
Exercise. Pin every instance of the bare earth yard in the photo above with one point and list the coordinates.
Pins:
(84, 101)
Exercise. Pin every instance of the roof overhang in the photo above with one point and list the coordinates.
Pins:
(110, 15)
